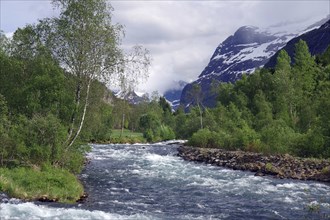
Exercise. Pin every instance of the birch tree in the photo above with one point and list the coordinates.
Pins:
(87, 44)
(132, 74)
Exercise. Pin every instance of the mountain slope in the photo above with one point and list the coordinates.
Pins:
(248, 49)
(318, 40)
(131, 96)
(173, 95)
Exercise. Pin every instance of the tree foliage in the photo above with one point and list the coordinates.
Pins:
(283, 110)
(54, 78)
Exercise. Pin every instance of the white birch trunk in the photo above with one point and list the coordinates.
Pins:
(83, 116)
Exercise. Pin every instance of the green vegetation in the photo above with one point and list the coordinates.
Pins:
(126, 133)
(126, 136)
(51, 183)
(285, 110)
(52, 101)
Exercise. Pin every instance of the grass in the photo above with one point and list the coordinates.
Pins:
(32, 184)
(127, 137)
(126, 133)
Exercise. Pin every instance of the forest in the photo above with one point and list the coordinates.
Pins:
(285, 110)
(54, 98)
(277, 111)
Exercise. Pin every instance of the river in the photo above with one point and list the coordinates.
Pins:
(151, 182)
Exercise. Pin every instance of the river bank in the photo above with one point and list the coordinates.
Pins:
(44, 185)
(279, 166)
(149, 181)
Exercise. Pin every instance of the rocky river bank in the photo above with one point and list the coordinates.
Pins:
(280, 166)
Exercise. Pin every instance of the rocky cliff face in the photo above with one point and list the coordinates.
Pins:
(245, 51)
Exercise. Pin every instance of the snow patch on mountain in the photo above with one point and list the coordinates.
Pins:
(131, 96)
(248, 49)
(173, 95)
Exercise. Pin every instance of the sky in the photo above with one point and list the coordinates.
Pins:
(180, 35)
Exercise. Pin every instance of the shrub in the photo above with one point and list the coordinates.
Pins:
(277, 137)
(44, 139)
(166, 133)
(244, 137)
(311, 144)
(204, 138)
(149, 135)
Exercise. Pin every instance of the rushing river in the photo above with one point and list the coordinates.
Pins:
(150, 182)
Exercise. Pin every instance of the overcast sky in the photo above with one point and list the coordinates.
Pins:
(180, 35)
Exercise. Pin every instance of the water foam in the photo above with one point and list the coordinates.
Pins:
(182, 185)
(36, 212)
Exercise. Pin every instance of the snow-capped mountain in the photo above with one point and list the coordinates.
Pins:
(318, 40)
(131, 96)
(173, 95)
(248, 49)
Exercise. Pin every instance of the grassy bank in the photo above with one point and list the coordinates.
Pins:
(127, 136)
(47, 183)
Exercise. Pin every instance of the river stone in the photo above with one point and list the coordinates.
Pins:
(283, 166)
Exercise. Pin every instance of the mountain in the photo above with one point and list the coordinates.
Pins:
(248, 49)
(131, 96)
(318, 40)
(173, 95)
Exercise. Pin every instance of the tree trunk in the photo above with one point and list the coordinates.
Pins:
(123, 117)
(122, 125)
(83, 116)
(73, 117)
(201, 116)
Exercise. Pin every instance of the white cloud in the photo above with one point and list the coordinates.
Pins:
(18, 13)
(9, 35)
(181, 35)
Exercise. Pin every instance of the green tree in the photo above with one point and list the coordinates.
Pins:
(85, 42)
(264, 109)
(180, 123)
(4, 43)
(324, 59)
(277, 137)
(196, 96)
(27, 44)
(283, 103)
(304, 68)
(150, 124)
(283, 62)
(4, 127)
(164, 104)
(149, 121)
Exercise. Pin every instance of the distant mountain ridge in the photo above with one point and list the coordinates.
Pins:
(131, 96)
(318, 40)
(248, 49)
(173, 95)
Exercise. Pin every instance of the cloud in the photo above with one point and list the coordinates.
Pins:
(18, 13)
(9, 35)
(181, 35)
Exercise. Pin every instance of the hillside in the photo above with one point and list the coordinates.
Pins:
(248, 49)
